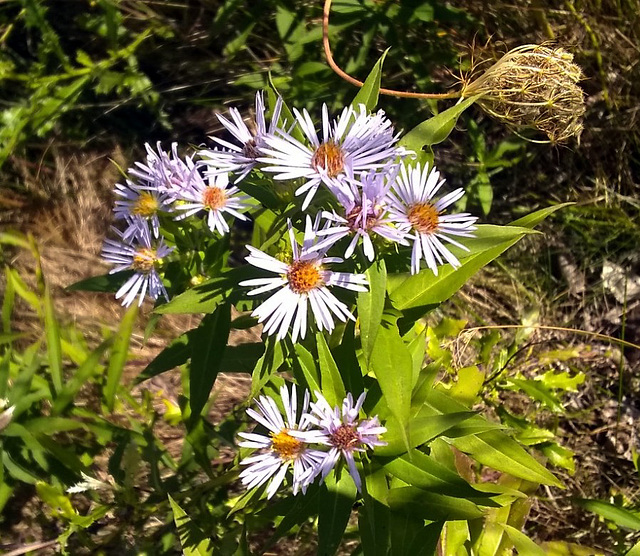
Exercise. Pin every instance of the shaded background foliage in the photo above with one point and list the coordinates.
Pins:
(82, 82)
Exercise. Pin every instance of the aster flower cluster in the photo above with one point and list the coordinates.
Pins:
(312, 443)
(374, 199)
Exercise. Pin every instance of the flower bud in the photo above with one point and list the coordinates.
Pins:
(533, 86)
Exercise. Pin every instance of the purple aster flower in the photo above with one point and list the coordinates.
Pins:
(413, 208)
(163, 172)
(140, 202)
(344, 432)
(365, 211)
(215, 198)
(356, 141)
(140, 254)
(303, 281)
(279, 449)
(241, 157)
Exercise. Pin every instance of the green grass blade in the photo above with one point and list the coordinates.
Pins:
(119, 354)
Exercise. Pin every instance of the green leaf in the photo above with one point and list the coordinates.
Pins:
(368, 94)
(304, 368)
(498, 451)
(205, 297)
(175, 354)
(620, 516)
(392, 364)
(373, 515)
(535, 218)
(54, 348)
(90, 367)
(423, 471)
(104, 283)
(330, 379)
(208, 346)
(539, 392)
(427, 505)
(268, 364)
(334, 510)
(119, 354)
(418, 431)
(435, 129)
(425, 290)
(371, 305)
(192, 539)
(522, 543)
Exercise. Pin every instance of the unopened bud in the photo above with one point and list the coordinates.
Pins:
(533, 86)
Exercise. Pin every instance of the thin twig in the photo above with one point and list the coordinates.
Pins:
(337, 69)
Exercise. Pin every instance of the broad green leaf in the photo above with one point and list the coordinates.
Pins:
(193, 540)
(330, 379)
(208, 346)
(468, 385)
(427, 290)
(334, 509)
(428, 505)
(498, 451)
(426, 540)
(418, 431)
(559, 456)
(634, 551)
(368, 94)
(54, 348)
(620, 516)
(435, 129)
(371, 305)
(455, 534)
(119, 354)
(104, 283)
(305, 369)
(522, 543)
(393, 367)
(422, 471)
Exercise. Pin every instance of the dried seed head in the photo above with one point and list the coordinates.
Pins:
(533, 86)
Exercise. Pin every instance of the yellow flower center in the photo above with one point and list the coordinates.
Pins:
(303, 276)
(330, 158)
(285, 445)
(144, 260)
(345, 438)
(214, 198)
(424, 217)
(146, 205)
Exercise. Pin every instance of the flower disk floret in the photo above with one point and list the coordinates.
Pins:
(304, 280)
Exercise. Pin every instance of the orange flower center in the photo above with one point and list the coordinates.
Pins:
(345, 438)
(214, 198)
(146, 205)
(354, 217)
(144, 260)
(303, 276)
(424, 217)
(329, 157)
(285, 445)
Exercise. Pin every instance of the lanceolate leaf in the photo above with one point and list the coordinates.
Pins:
(334, 510)
(373, 516)
(305, 369)
(500, 452)
(330, 379)
(371, 305)
(210, 341)
(435, 507)
(175, 354)
(193, 540)
(368, 94)
(620, 516)
(119, 354)
(54, 348)
(392, 364)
